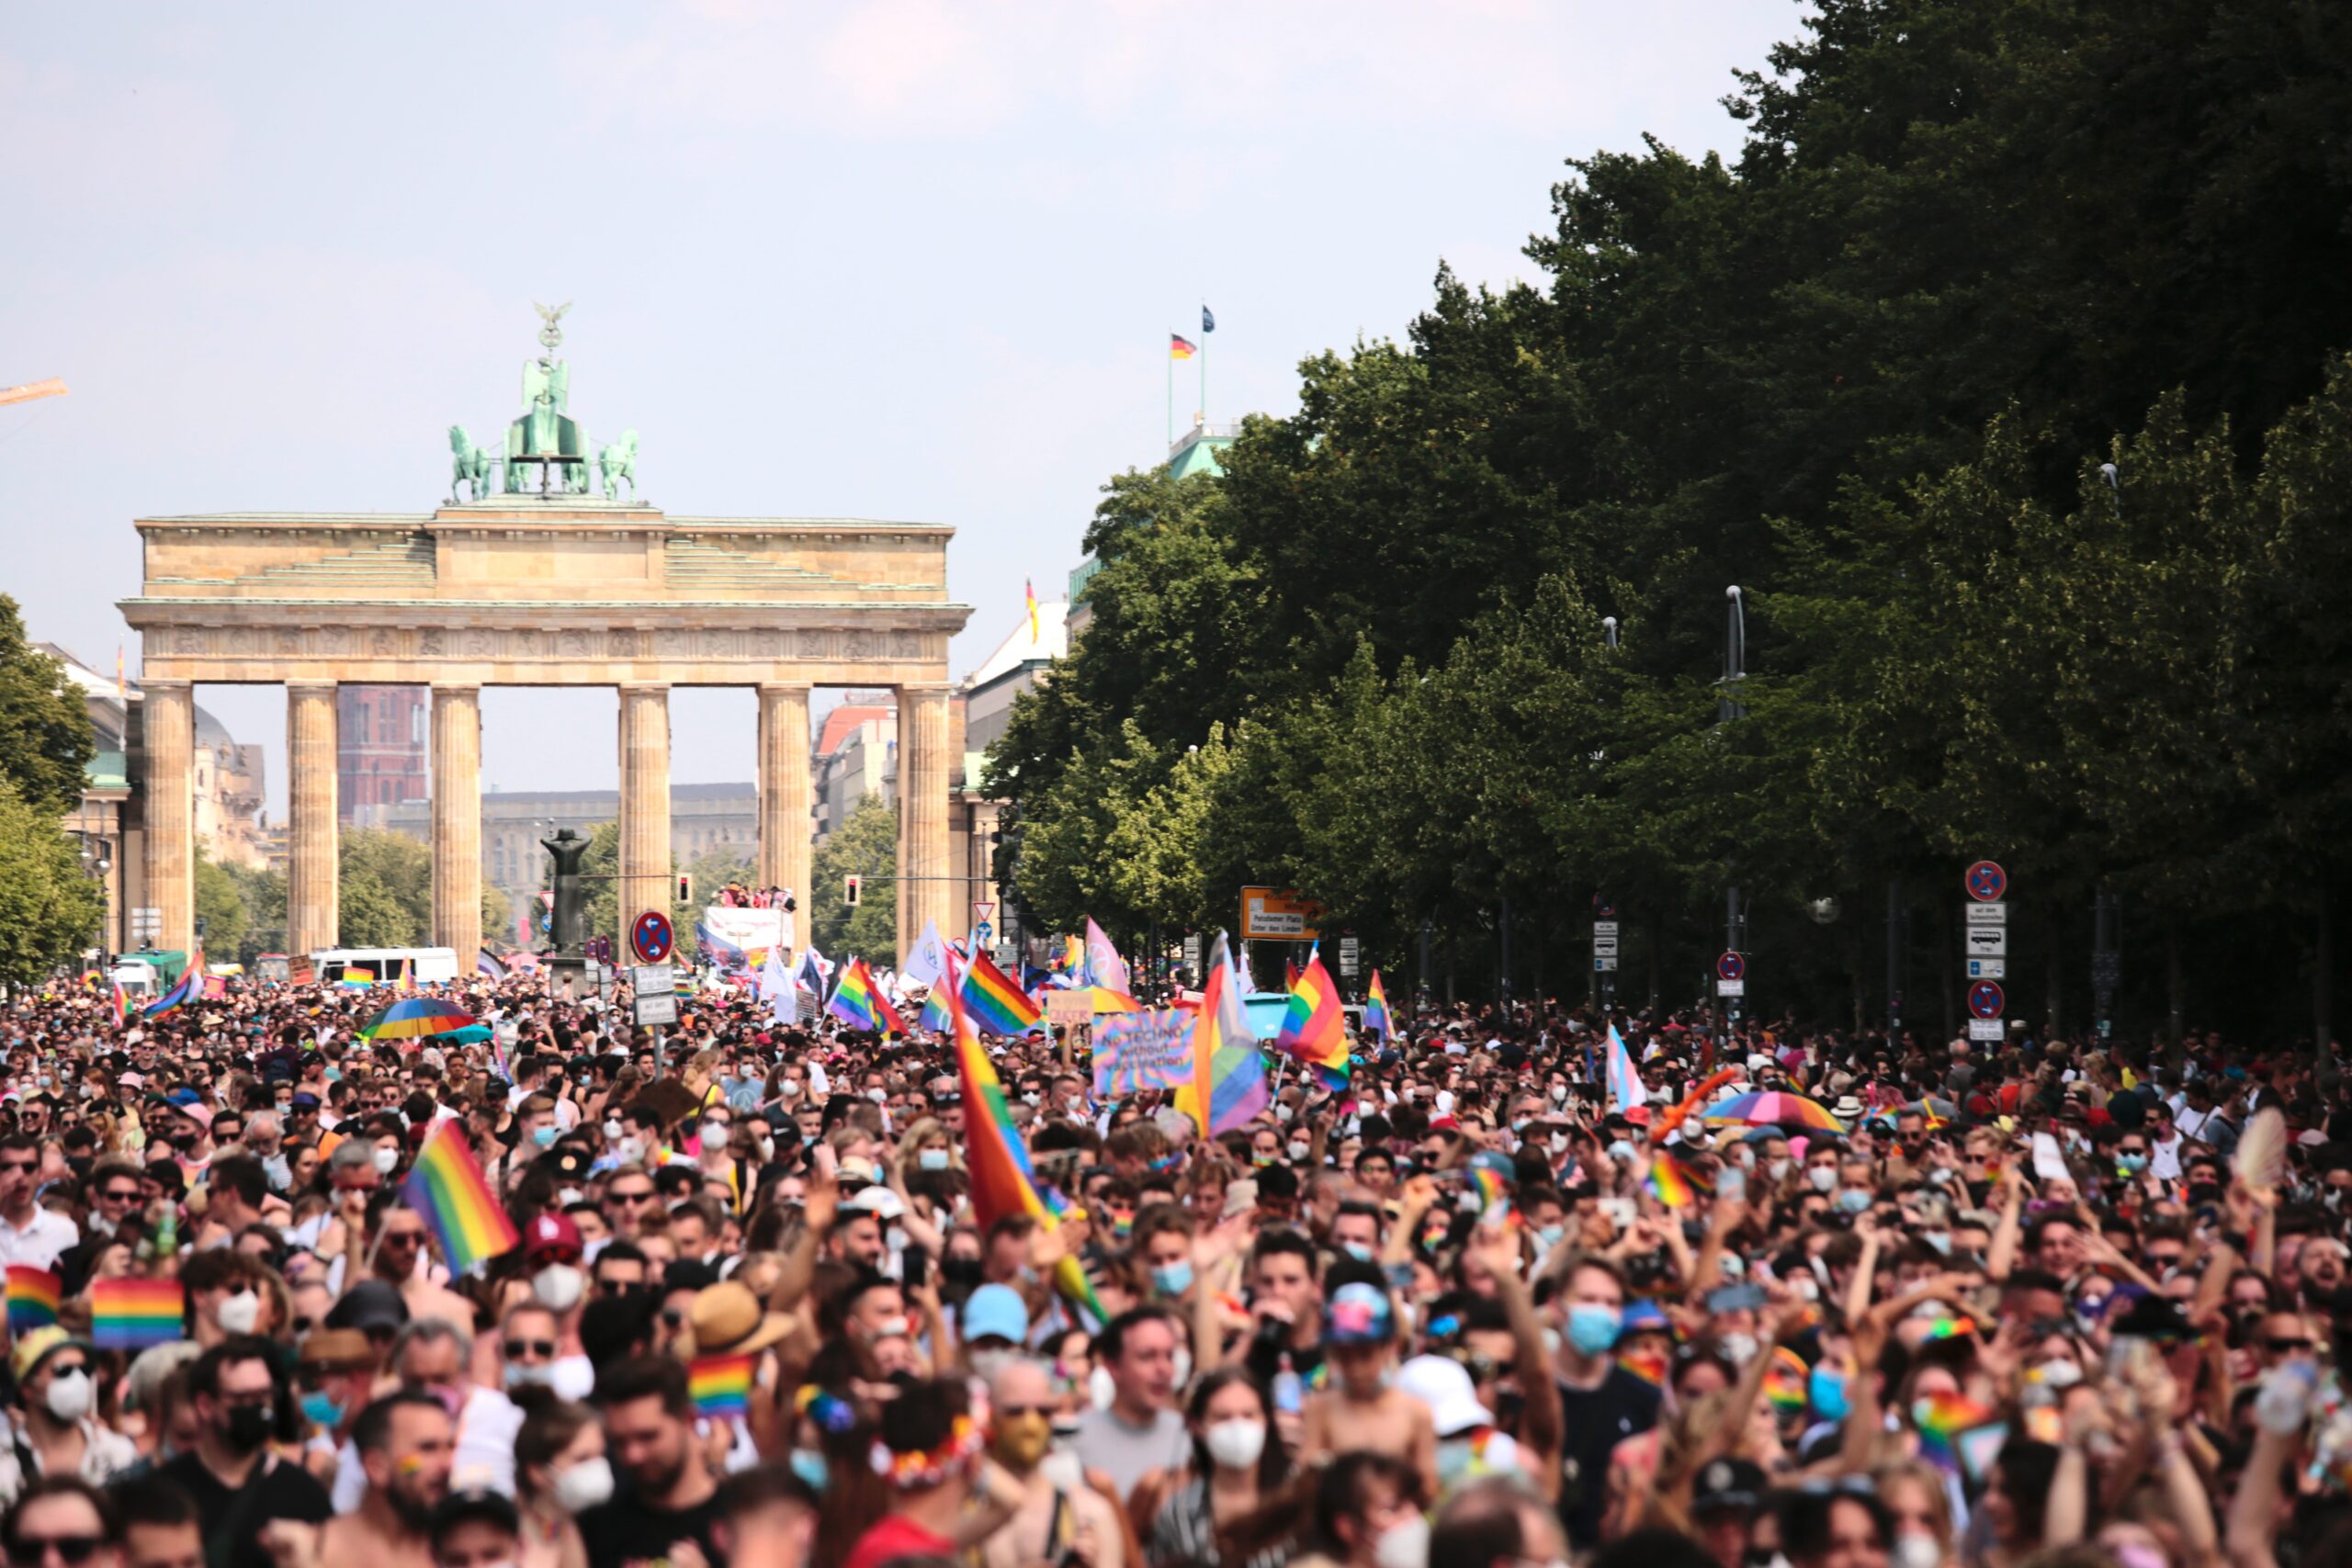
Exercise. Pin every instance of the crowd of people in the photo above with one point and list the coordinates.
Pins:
(2028, 1302)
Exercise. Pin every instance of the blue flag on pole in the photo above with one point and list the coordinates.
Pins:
(1208, 322)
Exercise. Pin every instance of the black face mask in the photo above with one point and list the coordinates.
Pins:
(247, 1429)
(961, 1272)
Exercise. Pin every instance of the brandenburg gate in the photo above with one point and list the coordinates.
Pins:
(542, 577)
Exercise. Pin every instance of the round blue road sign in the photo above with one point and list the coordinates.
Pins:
(650, 939)
(1986, 881)
(1985, 999)
(1730, 966)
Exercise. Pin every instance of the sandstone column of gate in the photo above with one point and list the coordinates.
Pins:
(457, 822)
(925, 889)
(168, 718)
(645, 808)
(311, 843)
(785, 797)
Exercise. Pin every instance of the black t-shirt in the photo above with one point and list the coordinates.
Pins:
(234, 1520)
(624, 1533)
(1597, 1420)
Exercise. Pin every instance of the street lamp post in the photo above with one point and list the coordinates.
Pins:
(1728, 707)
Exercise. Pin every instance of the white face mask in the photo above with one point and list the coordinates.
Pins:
(68, 1395)
(584, 1485)
(613, 1129)
(1916, 1552)
(1235, 1444)
(238, 1314)
(558, 1287)
(385, 1160)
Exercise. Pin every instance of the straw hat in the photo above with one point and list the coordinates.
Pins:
(727, 1319)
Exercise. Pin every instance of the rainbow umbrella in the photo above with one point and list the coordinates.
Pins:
(425, 1018)
(1774, 1108)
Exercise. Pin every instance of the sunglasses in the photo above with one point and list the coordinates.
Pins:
(518, 1349)
(2286, 1346)
(72, 1548)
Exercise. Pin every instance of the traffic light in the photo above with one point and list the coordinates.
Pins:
(849, 890)
(685, 888)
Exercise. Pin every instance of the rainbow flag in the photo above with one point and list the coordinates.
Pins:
(33, 1295)
(355, 979)
(1787, 1381)
(1003, 1182)
(1029, 588)
(1229, 1087)
(722, 1385)
(934, 1018)
(121, 1003)
(184, 990)
(1313, 1033)
(1674, 1182)
(997, 1006)
(447, 1188)
(1941, 1418)
(1375, 1010)
(858, 1001)
(132, 1315)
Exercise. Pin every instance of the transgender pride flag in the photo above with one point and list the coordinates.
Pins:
(1624, 1085)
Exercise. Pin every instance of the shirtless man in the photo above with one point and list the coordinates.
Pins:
(1359, 1333)
(396, 1260)
(405, 1442)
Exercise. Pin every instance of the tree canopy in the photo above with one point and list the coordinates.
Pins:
(2000, 366)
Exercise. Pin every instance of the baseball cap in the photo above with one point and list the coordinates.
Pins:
(994, 1312)
(1358, 1313)
(1728, 1483)
(370, 1303)
(551, 1231)
(877, 1201)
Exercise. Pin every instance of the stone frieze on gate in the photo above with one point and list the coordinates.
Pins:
(249, 642)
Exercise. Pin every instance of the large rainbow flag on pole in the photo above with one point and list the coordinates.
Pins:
(447, 1188)
(1003, 1182)
(858, 1001)
(1375, 1010)
(186, 989)
(1229, 1085)
(1313, 1033)
(997, 1006)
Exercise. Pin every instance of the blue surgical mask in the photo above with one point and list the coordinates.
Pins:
(809, 1466)
(322, 1408)
(932, 1160)
(1173, 1279)
(544, 1136)
(2132, 1164)
(1550, 1237)
(1594, 1330)
(1854, 1200)
(1826, 1388)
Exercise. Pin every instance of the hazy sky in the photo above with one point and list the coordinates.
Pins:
(903, 259)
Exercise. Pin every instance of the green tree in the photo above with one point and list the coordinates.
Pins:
(263, 893)
(220, 909)
(865, 845)
(386, 889)
(50, 909)
(45, 738)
